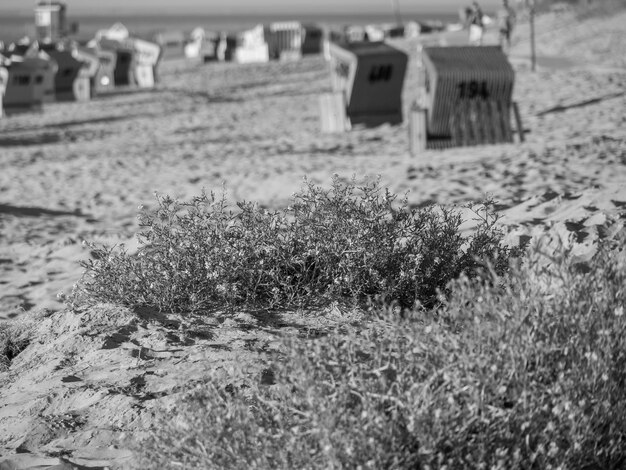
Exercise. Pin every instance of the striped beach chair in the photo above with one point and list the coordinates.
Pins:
(284, 40)
(466, 98)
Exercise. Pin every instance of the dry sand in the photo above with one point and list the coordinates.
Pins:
(78, 172)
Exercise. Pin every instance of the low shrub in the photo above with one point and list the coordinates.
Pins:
(14, 338)
(523, 372)
(346, 243)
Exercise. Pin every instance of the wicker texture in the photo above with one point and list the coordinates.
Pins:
(456, 76)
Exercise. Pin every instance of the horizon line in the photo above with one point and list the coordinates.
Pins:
(196, 11)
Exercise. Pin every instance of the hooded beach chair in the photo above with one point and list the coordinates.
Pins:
(30, 80)
(466, 98)
(69, 85)
(28, 58)
(252, 47)
(87, 74)
(284, 40)
(367, 80)
(147, 57)
(312, 40)
(104, 78)
(172, 43)
(124, 69)
(117, 39)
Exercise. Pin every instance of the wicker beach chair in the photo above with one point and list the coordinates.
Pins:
(466, 98)
(367, 80)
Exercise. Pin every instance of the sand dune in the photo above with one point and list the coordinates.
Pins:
(78, 172)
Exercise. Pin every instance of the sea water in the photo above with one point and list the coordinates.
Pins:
(14, 27)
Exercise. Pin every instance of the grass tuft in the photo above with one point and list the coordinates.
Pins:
(14, 338)
(513, 374)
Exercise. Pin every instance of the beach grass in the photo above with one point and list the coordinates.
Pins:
(525, 371)
(472, 356)
(14, 338)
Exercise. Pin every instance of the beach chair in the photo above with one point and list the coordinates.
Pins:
(466, 99)
(4, 78)
(68, 85)
(147, 57)
(125, 60)
(251, 47)
(367, 79)
(284, 40)
(28, 59)
(31, 79)
(312, 40)
(88, 72)
(172, 44)
(104, 78)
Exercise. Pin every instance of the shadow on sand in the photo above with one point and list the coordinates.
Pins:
(580, 104)
(36, 211)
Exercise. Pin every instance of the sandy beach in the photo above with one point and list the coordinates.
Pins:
(79, 171)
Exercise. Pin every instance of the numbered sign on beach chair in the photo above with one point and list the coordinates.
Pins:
(368, 77)
(466, 100)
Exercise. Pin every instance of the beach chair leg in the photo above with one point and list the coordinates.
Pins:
(496, 114)
(333, 113)
(456, 129)
(489, 122)
(518, 122)
(473, 115)
(417, 130)
(507, 132)
(464, 125)
(482, 123)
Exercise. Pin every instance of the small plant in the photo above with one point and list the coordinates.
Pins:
(523, 372)
(347, 243)
(13, 340)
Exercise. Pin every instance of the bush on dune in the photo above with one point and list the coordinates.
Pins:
(523, 372)
(347, 243)
(14, 338)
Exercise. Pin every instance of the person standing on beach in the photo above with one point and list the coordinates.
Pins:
(506, 23)
(476, 25)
